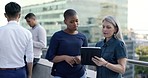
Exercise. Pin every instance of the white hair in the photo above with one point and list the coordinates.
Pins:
(112, 20)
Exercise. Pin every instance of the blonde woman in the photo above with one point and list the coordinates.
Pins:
(112, 63)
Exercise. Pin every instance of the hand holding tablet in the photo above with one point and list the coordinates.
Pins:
(87, 53)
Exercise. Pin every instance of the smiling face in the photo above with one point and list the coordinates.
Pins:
(108, 29)
(72, 23)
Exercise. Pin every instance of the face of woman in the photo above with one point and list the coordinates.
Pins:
(72, 23)
(108, 29)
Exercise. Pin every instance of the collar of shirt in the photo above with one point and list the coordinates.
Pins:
(35, 26)
(12, 22)
(109, 41)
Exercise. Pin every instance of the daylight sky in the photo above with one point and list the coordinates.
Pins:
(3, 20)
(137, 13)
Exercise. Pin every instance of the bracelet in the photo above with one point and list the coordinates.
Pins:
(106, 64)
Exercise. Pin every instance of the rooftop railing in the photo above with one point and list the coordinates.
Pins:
(138, 62)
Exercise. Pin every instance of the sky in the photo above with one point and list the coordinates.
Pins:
(3, 20)
(137, 14)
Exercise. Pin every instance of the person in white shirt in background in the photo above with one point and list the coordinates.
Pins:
(39, 36)
(15, 43)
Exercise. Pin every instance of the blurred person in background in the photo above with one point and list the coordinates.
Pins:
(38, 35)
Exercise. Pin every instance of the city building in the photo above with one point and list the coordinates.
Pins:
(90, 12)
(50, 15)
(117, 8)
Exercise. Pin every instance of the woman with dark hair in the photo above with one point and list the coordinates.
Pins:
(64, 49)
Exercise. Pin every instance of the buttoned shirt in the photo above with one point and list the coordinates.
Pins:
(15, 42)
(111, 51)
(39, 40)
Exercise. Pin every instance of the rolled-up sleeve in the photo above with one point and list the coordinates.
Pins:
(29, 50)
(120, 51)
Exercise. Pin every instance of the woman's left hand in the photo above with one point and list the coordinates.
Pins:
(99, 61)
(77, 59)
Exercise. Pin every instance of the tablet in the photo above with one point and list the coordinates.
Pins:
(87, 53)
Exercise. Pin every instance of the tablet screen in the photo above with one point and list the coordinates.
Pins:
(87, 53)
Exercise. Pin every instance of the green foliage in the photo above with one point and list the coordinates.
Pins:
(142, 50)
(142, 69)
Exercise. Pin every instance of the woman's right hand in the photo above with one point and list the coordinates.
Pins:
(99, 61)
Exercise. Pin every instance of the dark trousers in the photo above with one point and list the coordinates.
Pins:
(13, 73)
(35, 61)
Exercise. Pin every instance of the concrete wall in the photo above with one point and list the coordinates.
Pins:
(43, 70)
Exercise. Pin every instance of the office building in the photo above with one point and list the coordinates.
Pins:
(90, 12)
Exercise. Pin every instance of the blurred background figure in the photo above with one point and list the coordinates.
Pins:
(38, 35)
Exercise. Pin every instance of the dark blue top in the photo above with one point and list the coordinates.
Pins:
(65, 44)
(111, 51)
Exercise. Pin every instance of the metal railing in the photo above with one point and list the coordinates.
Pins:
(138, 62)
(131, 61)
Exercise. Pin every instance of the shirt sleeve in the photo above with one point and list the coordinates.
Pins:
(29, 50)
(52, 48)
(41, 43)
(85, 43)
(97, 44)
(120, 51)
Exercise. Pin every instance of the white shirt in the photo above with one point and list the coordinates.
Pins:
(15, 42)
(39, 40)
